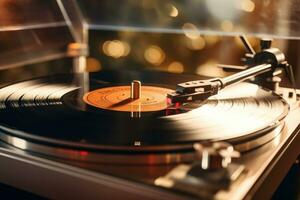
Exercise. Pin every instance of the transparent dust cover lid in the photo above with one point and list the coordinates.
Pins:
(35, 30)
(272, 18)
(31, 31)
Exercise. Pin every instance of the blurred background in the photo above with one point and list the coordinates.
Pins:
(175, 36)
(171, 35)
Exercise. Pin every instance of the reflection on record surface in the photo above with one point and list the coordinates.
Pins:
(53, 110)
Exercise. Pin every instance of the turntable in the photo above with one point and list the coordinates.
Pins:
(144, 133)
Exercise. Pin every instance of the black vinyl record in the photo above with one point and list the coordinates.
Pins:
(51, 111)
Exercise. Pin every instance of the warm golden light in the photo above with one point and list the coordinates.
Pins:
(116, 48)
(211, 39)
(226, 25)
(239, 43)
(196, 44)
(253, 41)
(173, 11)
(175, 67)
(154, 55)
(93, 65)
(210, 68)
(190, 31)
(247, 5)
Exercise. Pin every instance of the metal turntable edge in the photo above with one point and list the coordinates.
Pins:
(270, 163)
(266, 167)
(60, 181)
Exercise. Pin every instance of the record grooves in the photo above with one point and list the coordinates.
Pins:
(49, 116)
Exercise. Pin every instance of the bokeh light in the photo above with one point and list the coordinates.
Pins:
(190, 31)
(176, 67)
(196, 44)
(211, 69)
(154, 55)
(227, 25)
(93, 65)
(116, 48)
(173, 11)
(247, 5)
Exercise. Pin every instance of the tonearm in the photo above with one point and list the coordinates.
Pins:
(260, 63)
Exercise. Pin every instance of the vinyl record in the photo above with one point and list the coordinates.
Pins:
(54, 112)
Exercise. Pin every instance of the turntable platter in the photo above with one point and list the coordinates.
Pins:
(51, 113)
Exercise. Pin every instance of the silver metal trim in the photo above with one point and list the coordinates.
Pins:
(179, 31)
(33, 26)
(33, 60)
(74, 19)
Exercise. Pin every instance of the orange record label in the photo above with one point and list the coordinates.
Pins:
(118, 99)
